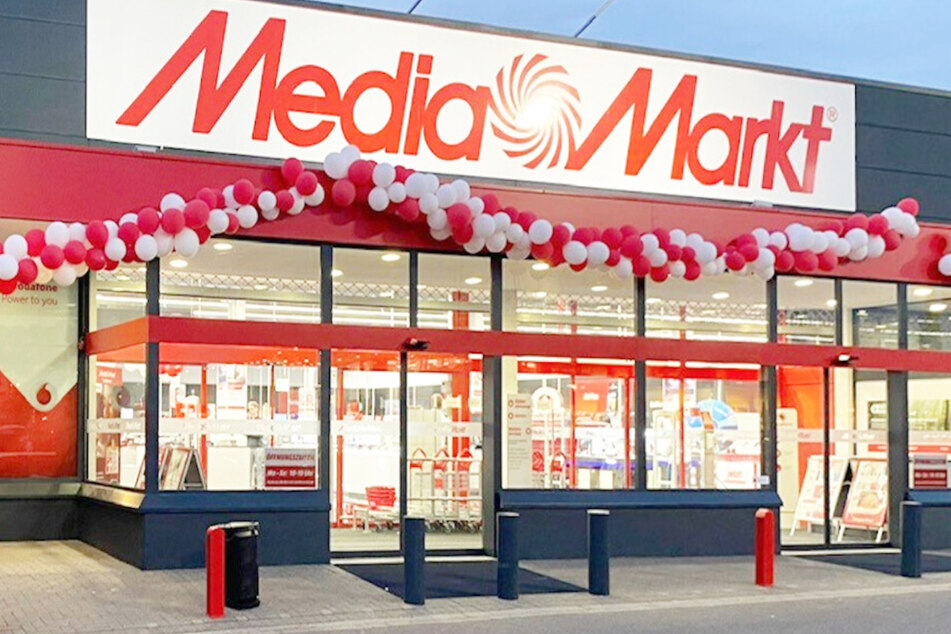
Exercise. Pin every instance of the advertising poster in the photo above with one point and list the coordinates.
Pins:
(868, 496)
(812, 494)
(929, 471)
(518, 435)
(290, 468)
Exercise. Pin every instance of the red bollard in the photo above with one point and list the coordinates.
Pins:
(215, 571)
(765, 546)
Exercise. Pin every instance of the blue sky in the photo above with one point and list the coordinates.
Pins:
(900, 41)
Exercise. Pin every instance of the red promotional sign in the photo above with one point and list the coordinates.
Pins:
(929, 471)
(290, 469)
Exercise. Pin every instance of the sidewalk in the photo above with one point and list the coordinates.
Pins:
(55, 587)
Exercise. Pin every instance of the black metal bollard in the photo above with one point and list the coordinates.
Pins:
(414, 560)
(507, 553)
(599, 552)
(911, 539)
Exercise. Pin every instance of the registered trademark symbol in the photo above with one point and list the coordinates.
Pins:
(832, 113)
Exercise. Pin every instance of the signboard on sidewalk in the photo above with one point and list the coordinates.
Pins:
(868, 495)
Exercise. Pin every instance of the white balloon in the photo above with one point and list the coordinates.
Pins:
(765, 274)
(483, 226)
(267, 214)
(57, 233)
(165, 242)
(893, 216)
(658, 257)
(651, 244)
(678, 237)
(115, 249)
(476, 206)
(446, 196)
(228, 193)
(463, 191)
(819, 242)
(112, 229)
(64, 275)
(267, 200)
(765, 260)
(778, 239)
(383, 175)
(694, 240)
(146, 248)
(317, 198)
(496, 242)
(944, 265)
(876, 246)
(624, 269)
(518, 254)
(710, 268)
(913, 231)
(81, 269)
(428, 203)
(574, 252)
(678, 268)
(247, 218)
(523, 242)
(540, 231)
(859, 254)
(15, 245)
(440, 234)
(218, 220)
(907, 224)
(336, 166)
(570, 227)
(296, 208)
(187, 243)
(474, 245)
(706, 252)
(502, 221)
(831, 237)
(379, 200)
(842, 247)
(432, 183)
(514, 232)
(762, 236)
(77, 231)
(171, 200)
(128, 217)
(857, 238)
(43, 274)
(598, 253)
(396, 192)
(9, 267)
(350, 153)
(438, 219)
(800, 237)
(416, 185)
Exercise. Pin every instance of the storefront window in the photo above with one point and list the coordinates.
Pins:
(929, 430)
(116, 425)
(454, 292)
(722, 308)
(806, 310)
(929, 317)
(38, 397)
(537, 298)
(870, 314)
(235, 419)
(568, 423)
(243, 280)
(703, 426)
(117, 296)
(370, 288)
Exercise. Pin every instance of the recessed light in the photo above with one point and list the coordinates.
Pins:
(260, 287)
(922, 291)
(223, 246)
(123, 278)
(937, 307)
(599, 288)
(721, 295)
(473, 280)
(539, 294)
(831, 303)
(654, 300)
(540, 266)
(804, 282)
(178, 264)
(336, 273)
(390, 257)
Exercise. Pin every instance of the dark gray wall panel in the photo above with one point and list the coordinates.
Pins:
(38, 519)
(29, 47)
(903, 150)
(66, 11)
(903, 109)
(880, 188)
(36, 104)
(112, 529)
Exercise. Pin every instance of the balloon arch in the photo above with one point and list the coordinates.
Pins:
(448, 211)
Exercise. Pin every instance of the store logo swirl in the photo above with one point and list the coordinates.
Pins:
(536, 111)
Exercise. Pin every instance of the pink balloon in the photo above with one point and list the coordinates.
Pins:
(909, 206)
(148, 220)
(291, 169)
(243, 192)
(343, 193)
(458, 216)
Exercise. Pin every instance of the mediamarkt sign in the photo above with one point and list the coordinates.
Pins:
(274, 80)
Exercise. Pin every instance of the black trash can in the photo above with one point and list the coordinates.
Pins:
(241, 565)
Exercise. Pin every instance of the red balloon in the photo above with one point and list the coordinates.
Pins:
(526, 218)
(291, 169)
(806, 261)
(95, 259)
(148, 220)
(560, 236)
(687, 254)
(628, 230)
(746, 238)
(233, 223)
(749, 251)
(129, 233)
(614, 256)
(719, 247)
(360, 172)
(111, 265)
(693, 270)
(207, 194)
(660, 273)
(402, 173)
(877, 225)
(52, 256)
(892, 240)
(306, 183)
(74, 252)
(35, 241)
(542, 251)
(512, 213)
(97, 233)
(203, 234)
(642, 266)
(832, 225)
(612, 237)
(462, 233)
(243, 192)
(173, 221)
(909, 206)
(362, 193)
(828, 260)
(196, 213)
(578, 267)
(632, 246)
(285, 200)
(27, 271)
(673, 252)
(343, 193)
(459, 215)
(491, 203)
(735, 260)
(408, 210)
(8, 286)
(785, 261)
(856, 221)
(585, 235)
(663, 237)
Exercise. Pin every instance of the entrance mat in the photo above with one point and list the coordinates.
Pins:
(888, 563)
(447, 580)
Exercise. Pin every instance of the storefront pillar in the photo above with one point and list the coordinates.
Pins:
(897, 384)
(152, 386)
(492, 417)
(768, 439)
(640, 392)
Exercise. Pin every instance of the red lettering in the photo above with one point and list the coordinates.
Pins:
(814, 134)
(395, 88)
(287, 101)
(478, 101)
(733, 129)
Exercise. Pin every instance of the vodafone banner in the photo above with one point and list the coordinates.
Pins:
(273, 80)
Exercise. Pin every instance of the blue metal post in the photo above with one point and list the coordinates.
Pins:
(599, 553)
(911, 539)
(414, 560)
(507, 553)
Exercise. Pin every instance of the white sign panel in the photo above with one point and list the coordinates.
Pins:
(518, 445)
(273, 80)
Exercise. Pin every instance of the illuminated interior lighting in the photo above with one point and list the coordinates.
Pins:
(390, 257)
(223, 246)
(540, 266)
(804, 282)
(336, 273)
(922, 291)
(831, 303)
(937, 307)
(178, 264)
(599, 288)
(473, 280)
(721, 295)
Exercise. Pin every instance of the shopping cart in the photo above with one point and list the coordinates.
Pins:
(380, 510)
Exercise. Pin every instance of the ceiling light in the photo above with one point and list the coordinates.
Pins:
(223, 246)
(473, 280)
(922, 291)
(540, 266)
(654, 300)
(804, 282)
(831, 303)
(336, 273)
(539, 294)
(599, 288)
(937, 307)
(123, 278)
(390, 257)
(178, 264)
(260, 287)
(721, 295)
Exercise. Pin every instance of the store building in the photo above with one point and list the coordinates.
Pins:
(325, 368)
